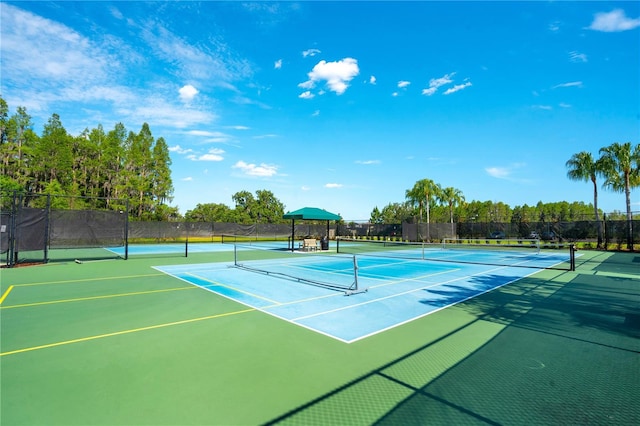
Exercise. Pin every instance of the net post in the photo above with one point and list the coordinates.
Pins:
(572, 257)
(235, 254)
(355, 287)
(355, 272)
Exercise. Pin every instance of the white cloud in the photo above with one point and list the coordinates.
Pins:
(403, 83)
(73, 69)
(53, 63)
(435, 83)
(336, 75)
(309, 84)
(394, 94)
(179, 150)
(367, 162)
(157, 111)
(187, 179)
(187, 93)
(277, 64)
(214, 63)
(205, 133)
(543, 107)
(457, 88)
(214, 154)
(310, 52)
(498, 172)
(62, 54)
(614, 21)
(430, 91)
(315, 113)
(507, 172)
(214, 137)
(306, 95)
(564, 105)
(372, 80)
(570, 84)
(263, 170)
(577, 57)
(211, 157)
(333, 185)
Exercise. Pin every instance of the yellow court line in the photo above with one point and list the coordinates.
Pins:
(108, 296)
(88, 279)
(233, 288)
(5, 294)
(120, 333)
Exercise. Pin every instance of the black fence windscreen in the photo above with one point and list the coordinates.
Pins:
(31, 230)
(31, 234)
(86, 228)
(177, 231)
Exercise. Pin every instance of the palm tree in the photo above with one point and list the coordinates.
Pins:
(582, 167)
(621, 168)
(451, 197)
(421, 194)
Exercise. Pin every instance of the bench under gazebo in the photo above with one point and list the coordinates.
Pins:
(310, 213)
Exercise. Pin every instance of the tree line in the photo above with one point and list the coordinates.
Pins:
(92, 170)
(619, 166)
(97, 168)
(428, 201)
(263, 208)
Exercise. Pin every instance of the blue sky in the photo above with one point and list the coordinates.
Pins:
(341, 105)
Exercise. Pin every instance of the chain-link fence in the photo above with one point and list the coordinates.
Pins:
(31, 226)
(613, 232)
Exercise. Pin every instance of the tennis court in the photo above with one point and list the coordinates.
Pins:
(393, 287)
(213, 339)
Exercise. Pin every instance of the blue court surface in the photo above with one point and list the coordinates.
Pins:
(397, 290)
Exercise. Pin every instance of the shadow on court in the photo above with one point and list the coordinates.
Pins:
(540, 351)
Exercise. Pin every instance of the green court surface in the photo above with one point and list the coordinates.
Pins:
(119, 343)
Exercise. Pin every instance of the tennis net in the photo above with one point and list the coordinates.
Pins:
(252, 239)
(525, 254)
(335, 272)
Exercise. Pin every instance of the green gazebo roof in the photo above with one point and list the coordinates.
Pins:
(311, 213)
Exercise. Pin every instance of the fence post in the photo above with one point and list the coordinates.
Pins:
(47, 227)
(13, 229)
(126, 229)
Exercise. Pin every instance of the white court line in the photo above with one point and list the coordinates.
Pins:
(263, 309)
(275, 303)
(296, 322)
(230, 288)
(401, 294)
(388, 282)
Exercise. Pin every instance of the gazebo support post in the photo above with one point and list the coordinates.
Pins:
(327, 235)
